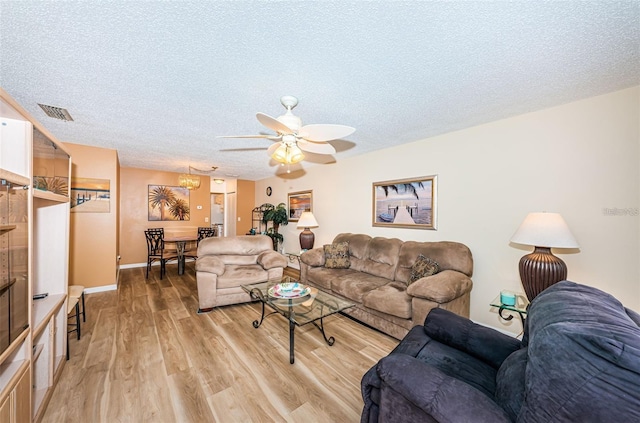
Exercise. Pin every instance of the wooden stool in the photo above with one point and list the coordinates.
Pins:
(73, 306)
(77, 291)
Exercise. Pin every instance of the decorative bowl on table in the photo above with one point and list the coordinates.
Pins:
(288, 290)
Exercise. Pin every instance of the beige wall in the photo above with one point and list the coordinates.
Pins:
(134, 211)
(576, 159)
(93, 245)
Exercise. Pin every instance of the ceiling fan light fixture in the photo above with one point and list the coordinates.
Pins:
(288, 154)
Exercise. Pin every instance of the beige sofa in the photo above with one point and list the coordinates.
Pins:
(376, 280)
(224, 264)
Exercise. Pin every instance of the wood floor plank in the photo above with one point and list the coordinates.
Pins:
(146, 356)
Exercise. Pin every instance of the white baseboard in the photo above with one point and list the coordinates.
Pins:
(132, 265)
(100, 289)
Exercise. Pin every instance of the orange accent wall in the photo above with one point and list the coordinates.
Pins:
(134, 219)
(245, 202)
(93, 238)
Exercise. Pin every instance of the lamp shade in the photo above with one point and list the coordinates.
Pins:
(307, 220)
(544, 230)
(288, 154)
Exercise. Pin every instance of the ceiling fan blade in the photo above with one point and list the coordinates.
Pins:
(314, 147)
(320, 132)
(271, 137)
(273, 124)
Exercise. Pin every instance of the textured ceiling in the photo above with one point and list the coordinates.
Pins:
(158, 81)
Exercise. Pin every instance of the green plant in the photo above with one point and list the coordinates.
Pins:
(277, 215)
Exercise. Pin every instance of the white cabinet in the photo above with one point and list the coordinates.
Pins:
(27, 149)
(15, 404)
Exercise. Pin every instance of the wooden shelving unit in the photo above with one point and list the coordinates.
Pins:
(30, 368)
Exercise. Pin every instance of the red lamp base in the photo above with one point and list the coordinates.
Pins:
(539, 270)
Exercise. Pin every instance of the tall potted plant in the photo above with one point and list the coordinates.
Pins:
(278, 216)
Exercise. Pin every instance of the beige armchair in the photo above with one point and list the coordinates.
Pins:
(224, 264)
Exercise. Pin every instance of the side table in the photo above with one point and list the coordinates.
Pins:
(293, 269)
(522, 304)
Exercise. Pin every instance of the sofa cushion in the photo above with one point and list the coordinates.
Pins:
(211, 264)
(510, 383)
(390, 298)
(323, 277)
(423, 266)
(460, 365)
(382, 257)
(354, 285)
(584, 357)
(449, 255)
(358, 244)
(272, 259)
(235, 275)
(336, 255)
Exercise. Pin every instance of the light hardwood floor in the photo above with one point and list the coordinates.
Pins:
(146, 356)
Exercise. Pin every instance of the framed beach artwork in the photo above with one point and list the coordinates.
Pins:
(89, 195)
(299, 202)
(168, 203)
(405, 203)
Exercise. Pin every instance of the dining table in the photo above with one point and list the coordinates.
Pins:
(181, 244)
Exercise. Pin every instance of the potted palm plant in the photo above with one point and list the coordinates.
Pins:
(278, 216)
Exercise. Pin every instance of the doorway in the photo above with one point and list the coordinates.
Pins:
(217, 212)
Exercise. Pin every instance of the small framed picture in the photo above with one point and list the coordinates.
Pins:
(299, 202)
(405, 203)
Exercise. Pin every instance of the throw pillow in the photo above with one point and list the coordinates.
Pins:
(424, 266)
(336, 256)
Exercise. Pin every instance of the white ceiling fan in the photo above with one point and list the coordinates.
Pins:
(293, 138)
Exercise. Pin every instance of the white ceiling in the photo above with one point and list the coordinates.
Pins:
(158, 81)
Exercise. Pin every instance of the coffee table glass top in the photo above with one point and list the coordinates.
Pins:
(302, 310)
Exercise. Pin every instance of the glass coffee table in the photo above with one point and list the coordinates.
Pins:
(298, 310)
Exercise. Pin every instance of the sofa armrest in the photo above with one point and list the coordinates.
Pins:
(407, 382)
(210, 264)
(271, 259)
(442, 287)
(313, 258)
(458, 332)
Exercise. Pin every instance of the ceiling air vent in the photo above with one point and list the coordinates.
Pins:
(56, 112)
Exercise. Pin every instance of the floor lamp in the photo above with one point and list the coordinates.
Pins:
(541, 269)
(306, 221)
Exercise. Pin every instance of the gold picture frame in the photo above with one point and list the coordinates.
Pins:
(405, 203)
(299, 202)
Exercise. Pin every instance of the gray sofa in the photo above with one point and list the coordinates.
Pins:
(376, 280)
(579, 361)
(224, 264)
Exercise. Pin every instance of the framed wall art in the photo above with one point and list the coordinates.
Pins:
(299, 202)
(405, 203)
(90, 195)
(168, 203)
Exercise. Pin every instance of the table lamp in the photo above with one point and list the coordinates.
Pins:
(306, 221)
(541, 269)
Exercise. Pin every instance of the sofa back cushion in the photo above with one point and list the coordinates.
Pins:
(583, 357)
(236, 250)
(449, 256)
(382, 257)
(358, 244)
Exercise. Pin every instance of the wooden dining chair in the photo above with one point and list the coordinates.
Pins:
(203, 232)
(157, 252)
